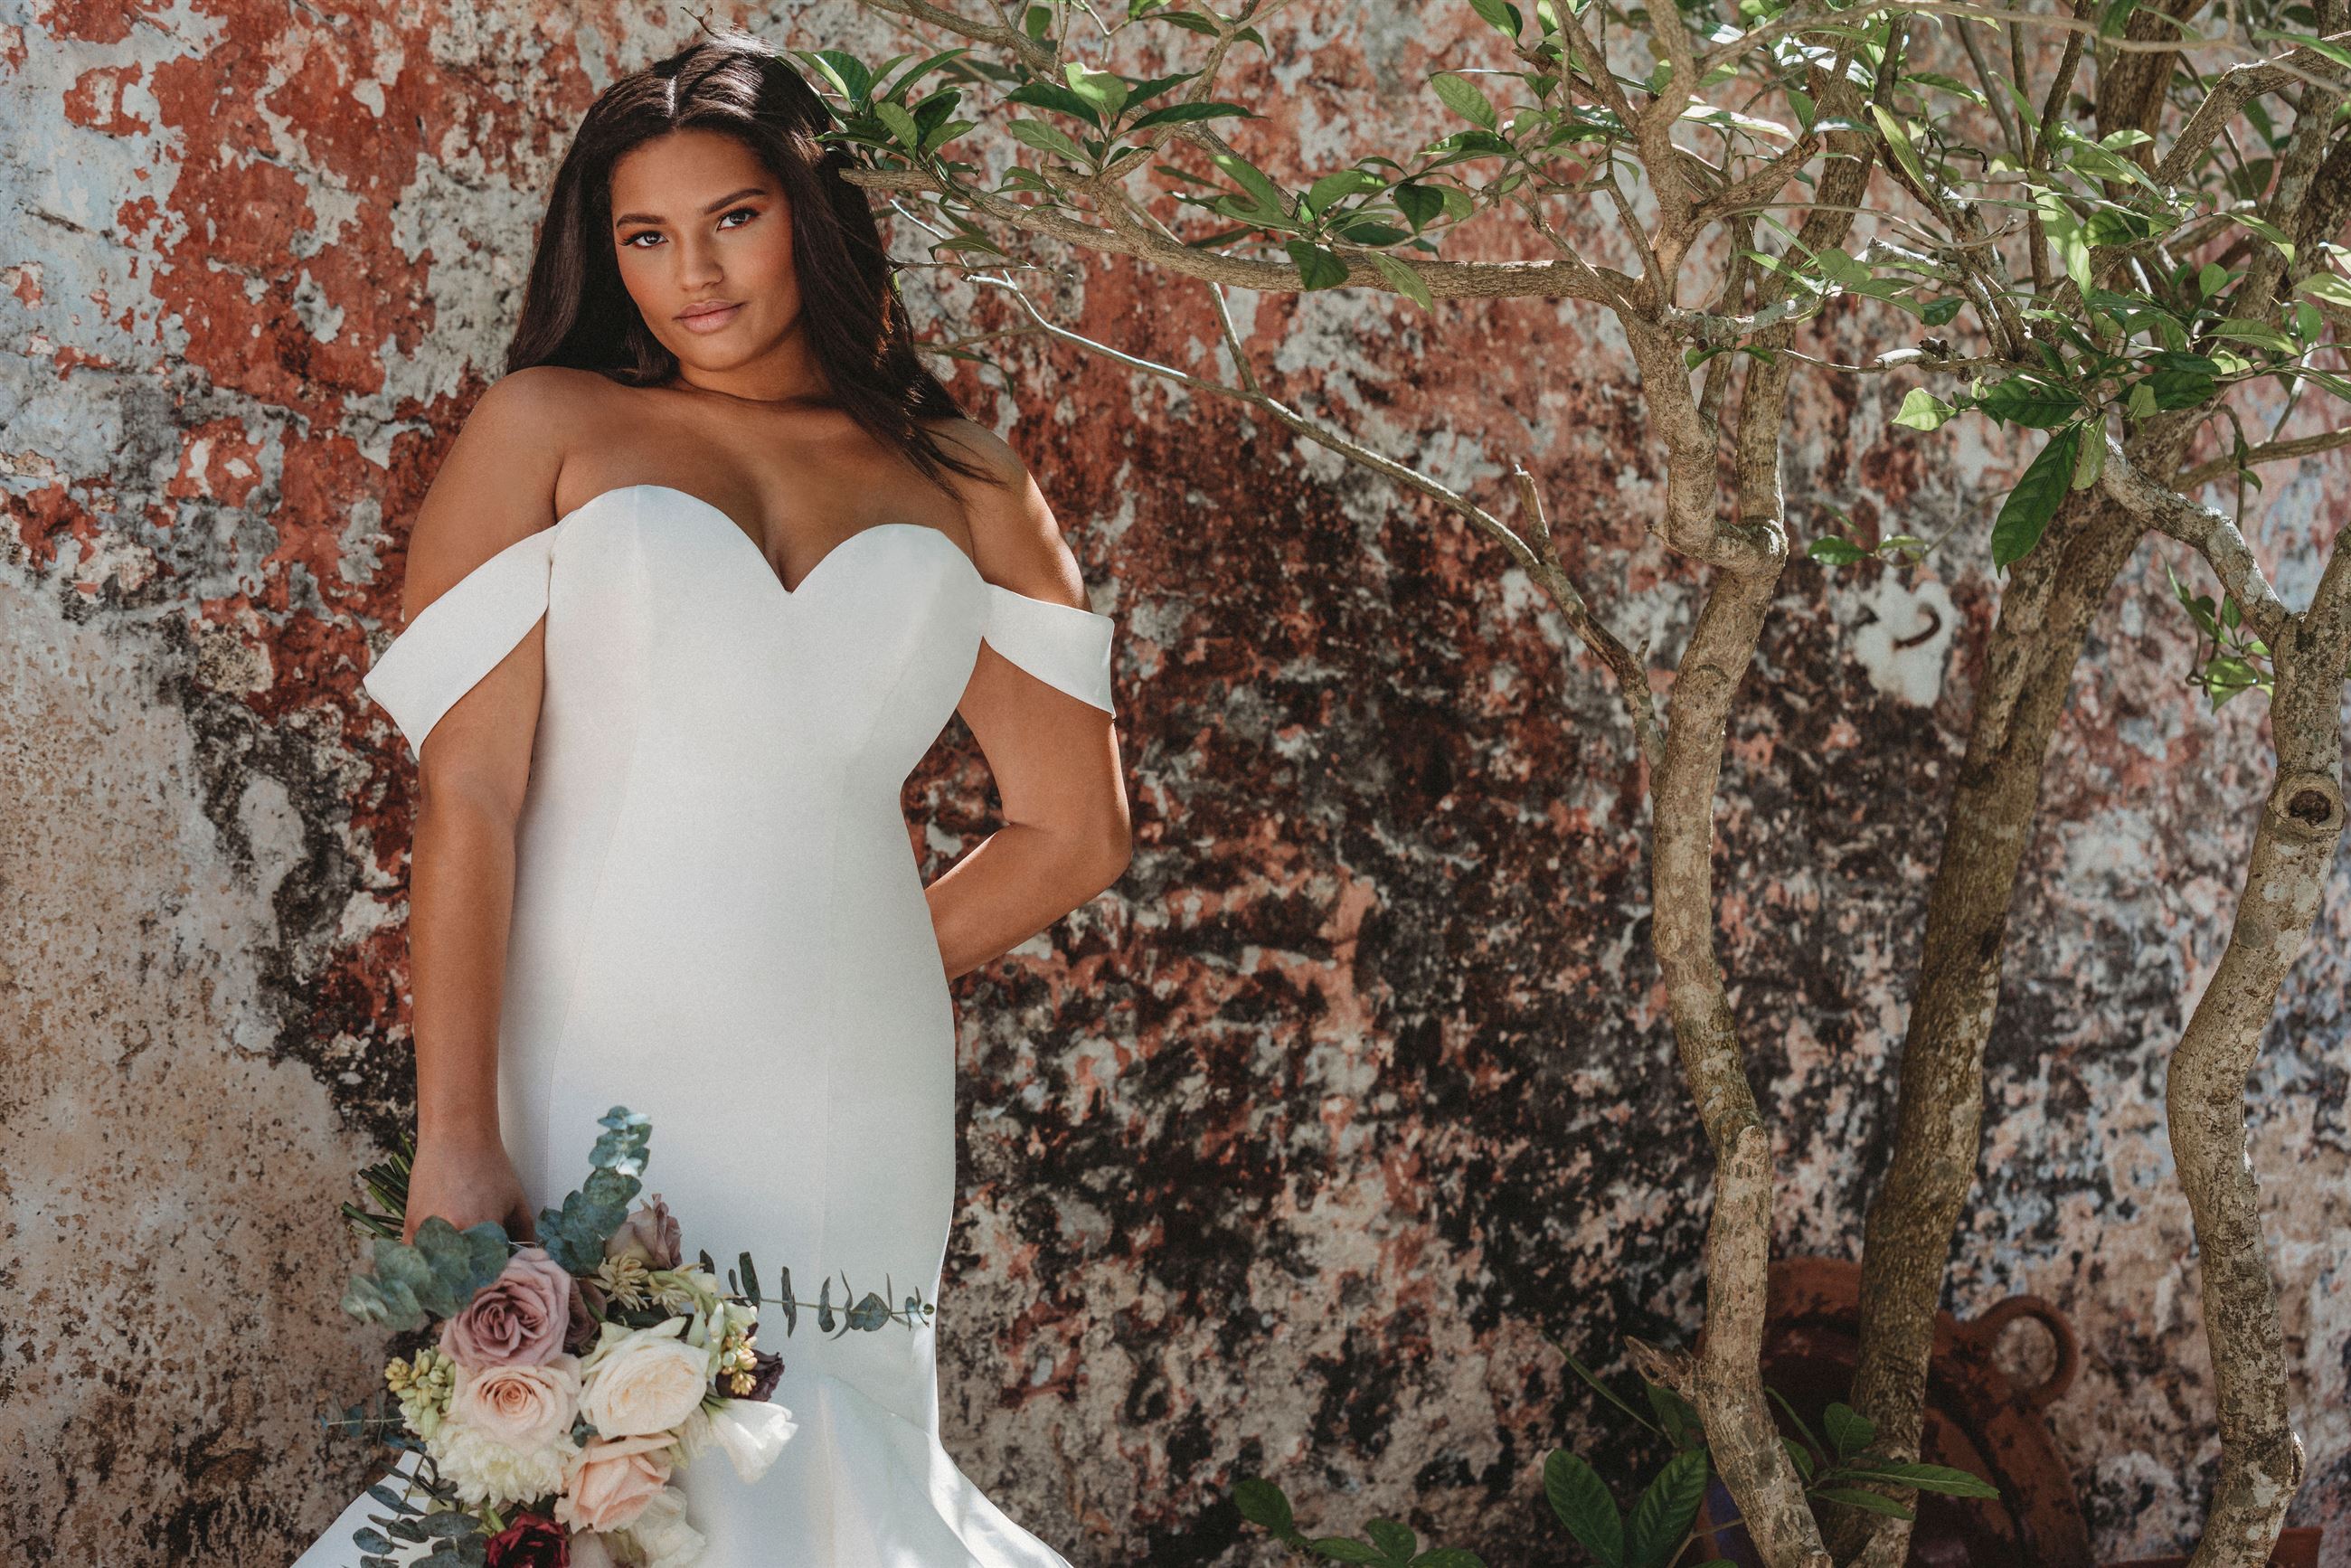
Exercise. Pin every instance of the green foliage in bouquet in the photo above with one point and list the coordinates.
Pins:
(435, 1277)
(437, 1274)
(575, 1234)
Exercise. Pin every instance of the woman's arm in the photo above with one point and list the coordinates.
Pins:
(497, 486)
(1067, 832)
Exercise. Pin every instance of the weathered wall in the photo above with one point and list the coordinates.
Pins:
(1291, 1154)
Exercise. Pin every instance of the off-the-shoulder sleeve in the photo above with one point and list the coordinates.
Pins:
(461, 636)
(1064, 646)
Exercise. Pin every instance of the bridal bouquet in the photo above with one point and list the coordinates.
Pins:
(554, 1388)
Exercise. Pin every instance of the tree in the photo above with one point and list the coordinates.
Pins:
(2098, 285)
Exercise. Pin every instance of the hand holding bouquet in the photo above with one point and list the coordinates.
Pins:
(557, 1388)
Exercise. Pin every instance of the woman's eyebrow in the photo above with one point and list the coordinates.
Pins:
(727, 200)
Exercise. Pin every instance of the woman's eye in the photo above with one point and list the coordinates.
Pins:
(647, 234)
(744, 213)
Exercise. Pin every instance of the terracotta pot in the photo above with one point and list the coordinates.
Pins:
(1978, 1420)
(2296, 1548)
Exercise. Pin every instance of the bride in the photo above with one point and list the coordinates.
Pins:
(697, 585)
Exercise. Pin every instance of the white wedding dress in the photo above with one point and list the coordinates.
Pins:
(719, 921)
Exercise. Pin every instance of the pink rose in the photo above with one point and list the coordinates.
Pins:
(607, 1484)
(523, 1406)
(518, 1319)
(650, 1233)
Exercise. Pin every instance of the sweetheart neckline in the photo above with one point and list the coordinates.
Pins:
(767, 568)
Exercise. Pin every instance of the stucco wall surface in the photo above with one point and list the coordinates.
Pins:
(1299, 1151)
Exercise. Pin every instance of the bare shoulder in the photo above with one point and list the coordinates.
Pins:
(497, 483)
(1016, 541)
(540, 401)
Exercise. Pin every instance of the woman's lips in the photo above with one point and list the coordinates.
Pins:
(709, 318)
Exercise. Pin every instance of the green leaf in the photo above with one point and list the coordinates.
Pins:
(2182, 389)
(1395, 1540)
(1419, 205)
(1798, 1456)
(1582, 1501)
(1106, 90)
(2023, 518)
(1263, 1506)
(1460, 95)
(1448, 1557)
(1333, 186)
(1036, 134)
(1941, 1479)
(1498, 14)
(2327, 285)
(1676, 1415)
(1317, 267)
(901, 123)
(1898, 139)
(2091, 459)
(1343, 1548)
(1867, 1501)
(1263, 191)
(2244, 331)
(1058, 98)
(1188, 113)
(1591, 1380)
(1922, 410)
(2035, 404)
(1665, 1509)
(1831, 550)
(1848, 1430)
(1406, 281)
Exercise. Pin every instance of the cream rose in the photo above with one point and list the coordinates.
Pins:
(751, 1433)
(521, 1407)
(607, 1484)
(662, 1535)
(648, 1381)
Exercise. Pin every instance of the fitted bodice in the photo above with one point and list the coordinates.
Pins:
(656, 597)
(711, 857)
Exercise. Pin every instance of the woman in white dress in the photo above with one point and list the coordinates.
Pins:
(697, 585)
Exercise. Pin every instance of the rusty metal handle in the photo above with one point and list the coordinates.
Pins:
(1985, 1331)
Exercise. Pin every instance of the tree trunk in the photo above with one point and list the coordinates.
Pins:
(1725, 1383)
(2294, 849)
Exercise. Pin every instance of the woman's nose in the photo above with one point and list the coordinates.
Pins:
(697, 262)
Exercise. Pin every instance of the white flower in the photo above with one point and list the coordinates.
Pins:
(753, 1432)
(662, 1535)
(486, 1470)
(588, 1550)
(637, 1383)
(525, 1407)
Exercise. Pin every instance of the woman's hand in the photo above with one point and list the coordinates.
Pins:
(465, 1183)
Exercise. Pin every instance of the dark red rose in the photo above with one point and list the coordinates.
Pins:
(579, 1334)
(765, 1372)
(532, 1541)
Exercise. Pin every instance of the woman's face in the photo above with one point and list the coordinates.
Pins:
(704, 241)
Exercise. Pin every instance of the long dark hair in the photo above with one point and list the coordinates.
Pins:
(577, 312)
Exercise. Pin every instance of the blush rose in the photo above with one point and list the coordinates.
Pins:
(610, 1481)
(520, 1319)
